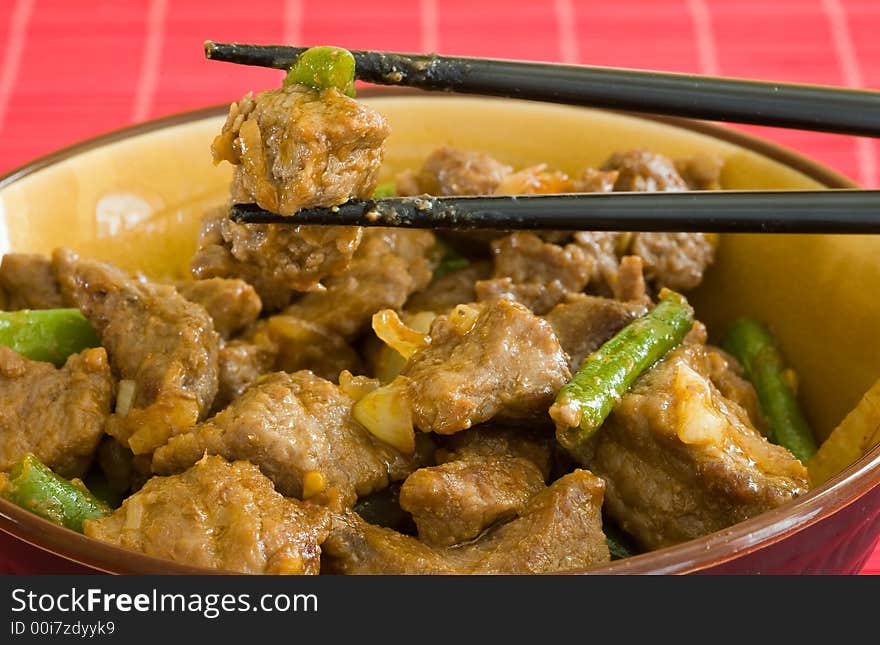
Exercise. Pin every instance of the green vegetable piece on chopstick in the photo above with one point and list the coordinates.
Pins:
(49, 335)
(447, 259)
(583, 404)
(755, 348)
(34, 487)
(388, 189)
(323, 68)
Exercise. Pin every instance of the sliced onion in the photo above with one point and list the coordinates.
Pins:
(125, 396)
(386, 414)
(394, 333)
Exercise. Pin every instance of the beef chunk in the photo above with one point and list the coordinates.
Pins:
(295, 147)
(728, 376)
(536, 273)
(630, 283)
(454, 288)
(455, 501)
(484, 360)
(604, 250)
(29, 282)
(154, 337)
(449, 171)
(281, 342)
(220, 516)
(680, 460)
(232, 304)
(674, 260)
(644, 171)
(294, 427)
(583, 323)
(559, 529)
(240, 364)
(487, 476)
(57, 414)
(298, 344)
(314, 332)
(492, 441)
(277, 259)
(389, 265)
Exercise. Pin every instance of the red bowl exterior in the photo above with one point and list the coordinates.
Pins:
(17, 557)
(838, 544)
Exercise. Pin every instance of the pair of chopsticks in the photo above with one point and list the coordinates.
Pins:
(807, 107)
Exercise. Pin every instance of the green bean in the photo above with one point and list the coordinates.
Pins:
(34, 487)
(49, 335)
(447, 259)
(323, 68)
(388, 189)
(755, 348)
(583, 404)
(619, 543)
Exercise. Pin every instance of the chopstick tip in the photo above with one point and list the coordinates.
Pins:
(209, 45)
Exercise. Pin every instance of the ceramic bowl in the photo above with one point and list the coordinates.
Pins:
(134, 197)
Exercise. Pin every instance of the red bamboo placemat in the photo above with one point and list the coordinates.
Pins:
(71, 70)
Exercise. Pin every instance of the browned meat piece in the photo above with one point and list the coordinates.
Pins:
(630, 284)
(454, 502)
(701, 172)
(298, 429)
(484, 360)
(232, 304)
(583, 323)
(486, 441)
(389, 265)
(57, 414)
(277, 259)
(534, 272)
(449, 171)
(29, 282)
(728, 376)
(488, 475)
(281, 342)
(154, 337)
(296, 147)
(604, 249)
(680, 460)
(220, 516)
(644, 171)
(454, 288)
(558, 530)
(674, 260)
(299, 344)
(240, 364)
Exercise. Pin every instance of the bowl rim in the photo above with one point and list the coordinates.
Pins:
(701, 553)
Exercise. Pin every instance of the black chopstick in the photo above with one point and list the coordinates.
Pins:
(804, 107)
(808, 211)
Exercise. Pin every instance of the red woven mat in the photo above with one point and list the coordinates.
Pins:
(70, 70)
